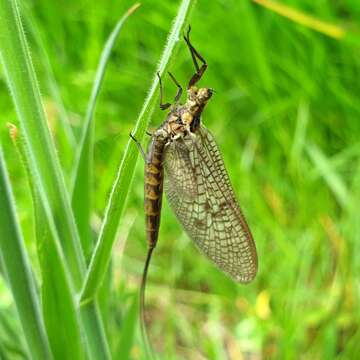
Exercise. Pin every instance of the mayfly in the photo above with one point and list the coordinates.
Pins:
(196, 184)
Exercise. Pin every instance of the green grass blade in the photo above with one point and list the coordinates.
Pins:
(326, 170)
(303, 19)
(102, 252)
(127, 336)
(61, 317)
(83, 170)
(257, 46)
(18, 272)
(23, 85)
(60, 313)
(97, 341)
(43, 160)
(50, 79)
(11, 333)
(300, 132)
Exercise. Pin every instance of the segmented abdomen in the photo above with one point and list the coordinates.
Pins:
(154, 177)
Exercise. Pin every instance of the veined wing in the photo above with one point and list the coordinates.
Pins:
(200, 193)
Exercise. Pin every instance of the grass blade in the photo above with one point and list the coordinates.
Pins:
(258, 46)
(333, 180)
(61, 317)
(83, 170)
(299, 17)
(43, 160)
(18, 272)
(127, 336)
(23, 85)
(102, 252)
(50, 79)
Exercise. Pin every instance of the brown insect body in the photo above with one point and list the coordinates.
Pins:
(181, 120)
(154, 178)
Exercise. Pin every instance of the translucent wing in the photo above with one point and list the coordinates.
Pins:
(200, 193)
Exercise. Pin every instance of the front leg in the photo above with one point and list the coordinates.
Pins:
(142, 151)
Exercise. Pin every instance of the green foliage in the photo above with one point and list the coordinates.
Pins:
(285, 115)
(17, 269)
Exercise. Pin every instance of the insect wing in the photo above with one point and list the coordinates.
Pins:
(200, 193)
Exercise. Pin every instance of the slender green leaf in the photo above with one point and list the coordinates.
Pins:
(333, 180)
(257, 46)
(128, 329)
(23, 85)
(300, 131)
(83, 170)
(303, 19)
(11, 334)
(59, 309)
(43, 160)
(95, 332)
(50, 78)
(18, 272)
(102, 253)
(61, 317)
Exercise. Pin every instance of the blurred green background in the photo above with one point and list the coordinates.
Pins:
(286, 118)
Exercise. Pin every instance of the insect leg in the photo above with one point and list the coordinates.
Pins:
(195, 55)
(162, 105)
(179, 92)
(139, 147)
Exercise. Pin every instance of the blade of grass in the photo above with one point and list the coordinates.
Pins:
(23, 85)
(50, 78)
(257, 46)
(115, 206)
(57, 286)
(333, 180)
(127, 336)
(61, 317)
(18, 272)
(300, 132)
(83, 169)
(10, 330)
(299, 17)
(65, 136)
(43, 160)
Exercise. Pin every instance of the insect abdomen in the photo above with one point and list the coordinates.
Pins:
(154, 177)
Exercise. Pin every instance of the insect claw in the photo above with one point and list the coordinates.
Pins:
(188, 32)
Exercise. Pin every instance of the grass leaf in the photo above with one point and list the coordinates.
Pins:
(333, 180)
(21, 79)
(61, 317)
(53, 88)
(42, 157)
(128, 331)
(299, 17)
(18, 272)
(83, 170)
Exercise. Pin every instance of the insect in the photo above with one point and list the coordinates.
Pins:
(196, 183)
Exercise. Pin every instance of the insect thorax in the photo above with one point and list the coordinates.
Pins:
(184, 119)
